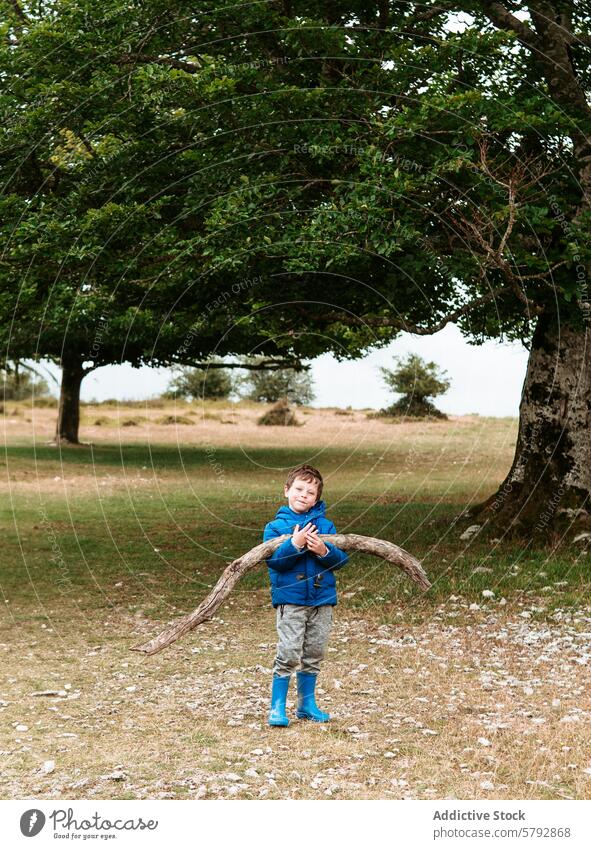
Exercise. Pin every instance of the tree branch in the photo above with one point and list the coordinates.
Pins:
(264, 365)
(431, 13)
(504, 19)
(385, 321)
(550, 42)
(384, 19)
(480, 230)
(179, 64)
(27, 367)
(87, 144)
(581, 37)
(347, 542)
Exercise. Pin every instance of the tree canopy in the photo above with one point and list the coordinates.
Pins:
(111, 170)
(154, 159)
(290, 178)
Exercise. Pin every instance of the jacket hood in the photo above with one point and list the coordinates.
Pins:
(288, 515)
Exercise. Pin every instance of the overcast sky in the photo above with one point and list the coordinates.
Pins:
(486, 379)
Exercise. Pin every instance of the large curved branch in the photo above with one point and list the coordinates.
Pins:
(269, 364)
(401, 324)
(232, 574)
(502, 18)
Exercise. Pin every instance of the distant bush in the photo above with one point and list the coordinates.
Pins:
(280, 414)
(148, 404)
(45, 401)
(175, 420)
(134, 422)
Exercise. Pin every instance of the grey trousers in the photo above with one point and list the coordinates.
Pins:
(303, 634)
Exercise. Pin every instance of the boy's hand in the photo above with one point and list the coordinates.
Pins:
(314, 543)
(299, 536)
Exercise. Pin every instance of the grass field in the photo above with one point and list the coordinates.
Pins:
(444, 694)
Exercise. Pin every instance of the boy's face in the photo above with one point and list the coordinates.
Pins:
(302, 495)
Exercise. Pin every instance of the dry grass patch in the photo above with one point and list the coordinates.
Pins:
(480, 705)
(444, 461)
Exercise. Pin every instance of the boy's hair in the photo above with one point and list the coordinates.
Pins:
(307, 473)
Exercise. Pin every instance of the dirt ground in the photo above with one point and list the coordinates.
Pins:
(464, 703)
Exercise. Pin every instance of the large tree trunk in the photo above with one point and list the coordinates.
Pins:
(546, 495)
(68, 418)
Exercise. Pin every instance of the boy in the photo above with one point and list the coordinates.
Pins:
(303, 589)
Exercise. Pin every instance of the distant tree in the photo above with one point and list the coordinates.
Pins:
(416, 381)
(20, 382)
(193, 383)
(272, 386)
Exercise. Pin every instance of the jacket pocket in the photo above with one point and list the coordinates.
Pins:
(292, 586)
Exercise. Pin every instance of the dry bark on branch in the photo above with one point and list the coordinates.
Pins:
(239, 567)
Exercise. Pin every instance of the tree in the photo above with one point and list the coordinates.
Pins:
(444, 178)
(88, 276)
(192, 383)
(417, 381)
(272, 386)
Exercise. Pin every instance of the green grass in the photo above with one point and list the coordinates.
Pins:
(171, 539)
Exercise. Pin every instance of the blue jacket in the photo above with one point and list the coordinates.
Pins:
(301, 577)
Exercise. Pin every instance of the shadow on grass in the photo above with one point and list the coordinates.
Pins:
(163, 456)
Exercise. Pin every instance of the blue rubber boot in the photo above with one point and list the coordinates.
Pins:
(277, 715)
(307, 707)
